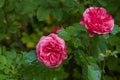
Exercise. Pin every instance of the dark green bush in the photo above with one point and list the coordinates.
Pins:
(23, 22)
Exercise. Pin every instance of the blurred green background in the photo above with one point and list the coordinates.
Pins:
(23, 22)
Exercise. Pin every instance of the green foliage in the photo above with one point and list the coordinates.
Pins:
(42, 13)
(64, 35)
(94, 72)
(24, 22)
(115, 30)
(1, 3)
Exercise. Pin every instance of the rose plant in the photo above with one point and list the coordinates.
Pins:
(86, 47)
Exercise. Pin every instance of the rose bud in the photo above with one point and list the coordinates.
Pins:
(97, 21)
(56, 29)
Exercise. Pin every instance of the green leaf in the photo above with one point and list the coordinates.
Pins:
(72, 30)
(58, 14)
(2, 3)
(3, 77)
(77, 42)
(115, 30)
(42, 13)
(106, 36)
(26, 38)
(79, 56)
(3, 59)
(94, 72)
(102, 2)
(28, 7)
(54, 3)
(6, 70)
(75, 29)
(79, 27)
(11, 54)
(30, 57)
(81, 8)
(90, 59)
(63, 34)
(13, 29)
(102, 44)
(2, 66)
(43, 3)
(69, 3)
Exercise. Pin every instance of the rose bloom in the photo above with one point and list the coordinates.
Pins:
(51, 50)
(97, 20)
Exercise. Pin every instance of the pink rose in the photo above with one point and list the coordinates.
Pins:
(56, 29)
(97, 20)
(51, 50)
